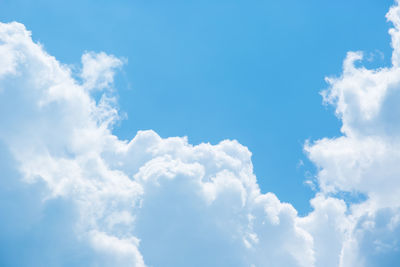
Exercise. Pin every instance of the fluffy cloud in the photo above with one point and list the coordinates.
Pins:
(365, 160)
(72, 193)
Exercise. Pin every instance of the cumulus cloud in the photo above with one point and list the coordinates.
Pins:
(365, 159)
(98, 70)
(72, 193)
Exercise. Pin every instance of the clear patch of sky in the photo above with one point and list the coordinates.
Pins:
(214, 70)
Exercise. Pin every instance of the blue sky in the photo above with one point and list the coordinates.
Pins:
(214, 70)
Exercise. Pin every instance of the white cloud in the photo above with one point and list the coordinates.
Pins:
(98, 70)
(72, 193)
(365, 160)
(109, 202)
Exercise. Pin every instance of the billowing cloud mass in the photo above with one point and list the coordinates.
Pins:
(74, 194)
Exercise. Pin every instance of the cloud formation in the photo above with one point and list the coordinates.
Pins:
(72, 193)
(110, 202)
(365, 159)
